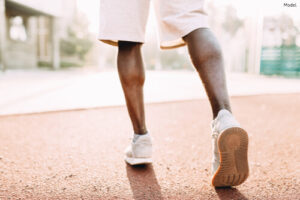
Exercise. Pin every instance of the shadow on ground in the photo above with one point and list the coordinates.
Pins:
(143, 182)
(228, 193)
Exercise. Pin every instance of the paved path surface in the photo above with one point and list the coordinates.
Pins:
(79, 154)
(39, 91)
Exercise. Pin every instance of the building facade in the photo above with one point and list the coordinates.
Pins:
(30, 31)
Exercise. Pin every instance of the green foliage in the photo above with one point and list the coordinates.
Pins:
(232, 23)
(285, 25)
(78, 41)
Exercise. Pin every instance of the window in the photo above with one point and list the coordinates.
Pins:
(17, 30)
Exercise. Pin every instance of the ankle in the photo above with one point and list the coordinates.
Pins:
(143, 131)
(217, 111)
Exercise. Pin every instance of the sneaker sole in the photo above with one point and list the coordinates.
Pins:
(138, 161)
(233, 149)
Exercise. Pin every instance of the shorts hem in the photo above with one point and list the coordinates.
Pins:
(114, 42)
(110, 42)
(179, 42)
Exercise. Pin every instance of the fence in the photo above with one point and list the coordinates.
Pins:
(280, 61)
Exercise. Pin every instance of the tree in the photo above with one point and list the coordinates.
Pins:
(78, 41)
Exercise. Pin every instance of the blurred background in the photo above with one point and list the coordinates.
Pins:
(47, 45)
(51, 60)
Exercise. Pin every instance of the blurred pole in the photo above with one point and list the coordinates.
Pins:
(55, 43)
(2, 34)
(255, 41)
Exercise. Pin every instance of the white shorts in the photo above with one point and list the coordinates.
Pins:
(125, 20)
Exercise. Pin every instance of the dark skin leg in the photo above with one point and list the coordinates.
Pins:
(207, 58)
(132, 77)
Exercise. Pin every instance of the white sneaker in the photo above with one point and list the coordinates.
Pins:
(230, 151)
(140, 150)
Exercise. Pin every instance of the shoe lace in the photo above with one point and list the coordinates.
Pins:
(215, 135)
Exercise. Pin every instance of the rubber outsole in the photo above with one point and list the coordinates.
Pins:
(233, 149)
(138, 161)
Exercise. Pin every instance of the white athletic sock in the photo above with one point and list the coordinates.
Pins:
(137, 136)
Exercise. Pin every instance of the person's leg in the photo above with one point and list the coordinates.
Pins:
(230, 141)
(132, 77)
(207, 58)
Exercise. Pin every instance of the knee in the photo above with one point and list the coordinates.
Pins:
(211, 52)
(130, 64)
(203, 45)
(127, 47)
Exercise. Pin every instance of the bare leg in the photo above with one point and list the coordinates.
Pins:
(207, 58)
(132, 77)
